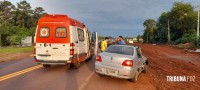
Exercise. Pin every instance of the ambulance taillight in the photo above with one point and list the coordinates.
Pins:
(34, 49)
(71, 49)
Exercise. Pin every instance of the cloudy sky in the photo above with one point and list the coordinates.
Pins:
(109, 17)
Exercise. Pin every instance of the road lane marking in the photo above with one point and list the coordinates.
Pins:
(86, 81)
(5, 77)
(19, 72)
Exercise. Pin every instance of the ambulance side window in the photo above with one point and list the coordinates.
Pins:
(44, 32)
(61, 32)
(80, 34)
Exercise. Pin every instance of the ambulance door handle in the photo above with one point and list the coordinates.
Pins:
(45, 44)
(76, 41)
(55, 48)
(50, 44)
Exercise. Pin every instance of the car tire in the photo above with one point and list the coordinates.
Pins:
(135, 78)
(46, 65)
(100, 75)
(145, 68)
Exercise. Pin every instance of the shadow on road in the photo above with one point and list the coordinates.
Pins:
(71, 80)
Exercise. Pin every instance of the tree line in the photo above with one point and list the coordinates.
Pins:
(17, 21)
(175, 26)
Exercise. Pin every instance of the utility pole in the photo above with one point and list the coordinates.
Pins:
(198, 28)
(147, 36)
(168, 28)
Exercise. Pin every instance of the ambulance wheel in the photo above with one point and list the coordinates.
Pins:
(77, 65)
(90, 58)
(68, 66)
(46, 65)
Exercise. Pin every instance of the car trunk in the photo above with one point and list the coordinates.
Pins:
(113, 59)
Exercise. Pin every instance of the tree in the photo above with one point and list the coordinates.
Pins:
(162, 28)
(18, 22)
(23, 14)
(150, 26)
(6, 9)
(37, 13)
(182, 20)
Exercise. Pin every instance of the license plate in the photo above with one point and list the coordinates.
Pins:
(110, 71)
(44, 57)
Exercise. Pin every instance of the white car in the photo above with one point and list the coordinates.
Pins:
(121, 61)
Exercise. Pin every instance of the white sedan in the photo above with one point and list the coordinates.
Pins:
(121, 61)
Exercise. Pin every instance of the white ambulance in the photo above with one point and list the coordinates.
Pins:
(60, 40)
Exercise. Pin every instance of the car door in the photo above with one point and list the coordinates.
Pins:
(94, 42)
(140, 61)
(43, 49)
(61, 50)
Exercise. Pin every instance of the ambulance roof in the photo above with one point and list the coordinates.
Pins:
(61, 18)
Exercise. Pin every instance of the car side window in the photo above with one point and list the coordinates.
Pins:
(139, 53)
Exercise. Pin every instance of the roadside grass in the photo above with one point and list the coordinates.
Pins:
(180, 46)
(16, 49)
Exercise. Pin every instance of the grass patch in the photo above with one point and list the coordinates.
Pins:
(180, 46)
(16, 49)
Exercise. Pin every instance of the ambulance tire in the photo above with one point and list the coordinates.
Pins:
(77, 65)
(46, 65)
(68, 66)
(90, 57)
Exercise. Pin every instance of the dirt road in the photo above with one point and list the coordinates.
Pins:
(169, 61)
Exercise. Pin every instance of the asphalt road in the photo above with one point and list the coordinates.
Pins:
(58, 78)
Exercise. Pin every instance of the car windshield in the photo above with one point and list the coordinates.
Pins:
(120, 50)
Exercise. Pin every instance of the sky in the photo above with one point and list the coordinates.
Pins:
(109, 17)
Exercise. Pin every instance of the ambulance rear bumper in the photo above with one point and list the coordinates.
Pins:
(54, 62)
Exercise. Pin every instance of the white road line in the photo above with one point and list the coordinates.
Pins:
(86, 81)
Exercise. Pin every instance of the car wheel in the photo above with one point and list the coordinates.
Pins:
(135, 78)
(145, 68)
(46, 65)
(100, 75)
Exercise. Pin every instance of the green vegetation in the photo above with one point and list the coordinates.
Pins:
(177, 26)
(17, 22)
(16, 49)
(150, 29)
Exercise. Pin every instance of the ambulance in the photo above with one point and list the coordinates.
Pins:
(61, 40)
